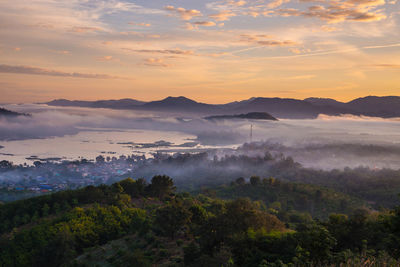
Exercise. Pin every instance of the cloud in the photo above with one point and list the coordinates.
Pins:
(62, 52)
(301, 77)
(253, 13)
(326, 28)
(85, 29)
(163, 51)
(184, 14)
(204, 23)
(139, 34)
(328, 52)
(298, 51)
(155, 62)
(367, 2)
(142, 24)
(336, 11)
(253, 38)
(332, 11)
(265, 40)
(48, 72)
(236, 3)
(295, 50)
(223, 15)
(189, 26)
(277, 43)
(388, 66)
(105, 58)
(67, 16)
(195, 25)
(276, 3)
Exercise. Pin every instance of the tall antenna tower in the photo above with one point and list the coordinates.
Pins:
(251, 133)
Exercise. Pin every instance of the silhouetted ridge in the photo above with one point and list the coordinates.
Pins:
(385, 107)
(251, 116)
(180, 103)
(126, 103)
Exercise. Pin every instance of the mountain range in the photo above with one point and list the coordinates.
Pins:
(374, 106)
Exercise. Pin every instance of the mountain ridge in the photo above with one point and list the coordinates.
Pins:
(249, 116)
(289, 108)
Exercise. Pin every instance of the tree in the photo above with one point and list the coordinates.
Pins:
(134, 188)
(192, 253)
(161, 186)
(4, 164)
(45, 210)
(316, 240)
(255, 180)
(240, 181)
(171, 218)
(100, 159)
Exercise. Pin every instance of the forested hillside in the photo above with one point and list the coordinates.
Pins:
(132, 223)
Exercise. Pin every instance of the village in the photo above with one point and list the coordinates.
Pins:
(45, 177)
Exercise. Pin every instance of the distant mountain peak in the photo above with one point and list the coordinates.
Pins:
(181, 99)
(311, 99)
(174, 100)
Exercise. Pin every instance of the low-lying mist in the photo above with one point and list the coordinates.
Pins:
(323, 143)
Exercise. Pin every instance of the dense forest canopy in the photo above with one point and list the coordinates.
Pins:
(133, 222)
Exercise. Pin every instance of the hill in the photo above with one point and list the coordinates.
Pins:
(181, 104)
(286, 198)
(132, 223)
(385, 107)
(373, 106)
(284, 108)
(326, 102)
(250, 116)
(113, 104)
(9, 113)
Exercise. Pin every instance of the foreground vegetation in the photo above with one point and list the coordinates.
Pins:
(132, 223)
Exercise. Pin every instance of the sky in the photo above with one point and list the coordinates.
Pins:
(208, 50)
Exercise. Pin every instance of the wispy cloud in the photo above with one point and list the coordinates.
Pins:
(329, 52)
(162, 51)
(156, 62)
(49, 72)
(301, 77)
(223, 15)
(106, 58)
(337, 11)
(84, 29)
(388, 66)
(142, 24)
(184, 14)
(266, 40)
(195, 25)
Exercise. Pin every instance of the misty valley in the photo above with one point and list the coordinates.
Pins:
(217, 133)
(94, 186)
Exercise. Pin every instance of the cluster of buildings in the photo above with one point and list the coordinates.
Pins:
(46, 177)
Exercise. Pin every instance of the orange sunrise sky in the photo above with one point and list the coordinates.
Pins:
(211, 51)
